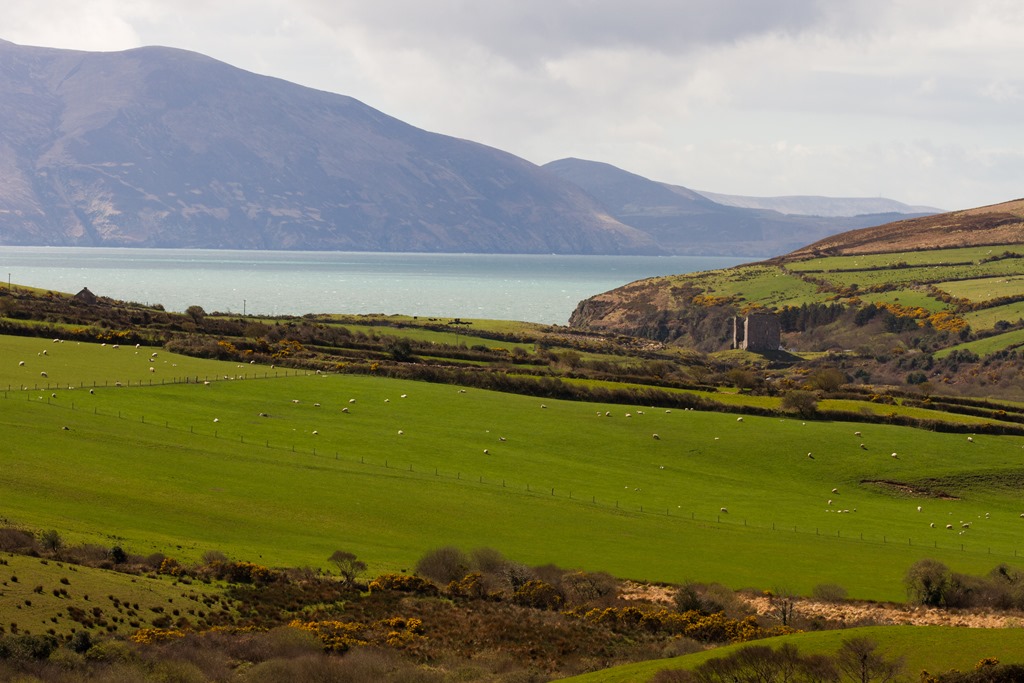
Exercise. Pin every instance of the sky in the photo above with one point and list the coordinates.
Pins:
(921, 101)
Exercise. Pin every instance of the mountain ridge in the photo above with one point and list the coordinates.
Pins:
(163, 147)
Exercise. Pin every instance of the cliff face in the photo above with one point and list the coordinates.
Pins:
(158, 147)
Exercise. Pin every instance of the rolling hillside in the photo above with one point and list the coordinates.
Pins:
(934, 286)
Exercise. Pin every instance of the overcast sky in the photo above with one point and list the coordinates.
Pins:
(916, 100)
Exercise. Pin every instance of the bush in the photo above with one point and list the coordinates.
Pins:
(443, 565)
(829, 592)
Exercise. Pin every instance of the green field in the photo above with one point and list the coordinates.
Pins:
(185, 468)
(936, 649)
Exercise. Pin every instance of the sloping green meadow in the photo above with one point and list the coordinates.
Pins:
(389, 469)
(936, 649)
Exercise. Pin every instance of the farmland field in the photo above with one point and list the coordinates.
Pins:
(936, 649)
(411, 466)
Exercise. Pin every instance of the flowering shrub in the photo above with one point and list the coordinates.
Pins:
(403, 583)
(149, 636)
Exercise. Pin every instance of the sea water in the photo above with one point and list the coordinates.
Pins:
(535, 288)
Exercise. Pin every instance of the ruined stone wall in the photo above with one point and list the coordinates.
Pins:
(758, 332)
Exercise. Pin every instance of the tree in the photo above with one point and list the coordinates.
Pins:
(927, 582)
(828, 379)
(443, 565)
(348, 566)
(196, 313)
(51, 541)
(859, 660)
(802, 402)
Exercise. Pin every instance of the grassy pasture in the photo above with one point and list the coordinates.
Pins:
(196, 466)
(937, 273)
(892, 260)
(907, 297)
(983, 289)
(986, 318)
(983, 347)
(84, 365)
(936, 649)
(30, 603)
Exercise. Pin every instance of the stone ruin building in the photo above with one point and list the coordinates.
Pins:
(756, 332)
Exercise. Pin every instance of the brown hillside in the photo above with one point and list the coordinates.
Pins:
(986, 225)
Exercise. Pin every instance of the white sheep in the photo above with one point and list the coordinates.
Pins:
(91, 391)
(895, 456)
(344, 410)
(21, 363)
(724, 510)
(856, 434)
(949, 526)
(404, 396)
(739, 419)
(316, 433)
(152, 369)
(919, 508)
(43, 374)
(543, 406)
(971, 439)
(351, 400)
(486, 452)
(501, 438)
(400, 432)
(216, 419)
(835, 490)
(655, 437)
(863, 447)
(932, 525)
(316, 405)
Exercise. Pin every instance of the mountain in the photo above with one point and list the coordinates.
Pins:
(684, 221)
(158, 147)
(807, 205)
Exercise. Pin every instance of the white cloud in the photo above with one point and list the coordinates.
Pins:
(913, 99)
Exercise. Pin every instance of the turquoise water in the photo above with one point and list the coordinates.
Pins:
(536, 288)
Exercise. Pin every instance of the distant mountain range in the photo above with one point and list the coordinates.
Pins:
(158, 147)
(684, 221)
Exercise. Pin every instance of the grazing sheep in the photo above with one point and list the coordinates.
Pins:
(724, 510)
(216, 419)
(965, 525)
(295, 400)
(949, 526)
(739, 419)
(863, 447)
(932, 525)
(400, 432)
(316, 433)
(344, 410)
(264, 415)
(252, 362)
(44, 352)
(387, 400)
(811, 456)
(628, 415)
(316, 405)
(919, 508)
(501, 438)
(835, 490)
(91, 391)
(206, 383)
(43, 374)
(655, 437)
(403, 396)
(351, 400)
(152, 369)
(895, 456)
(486, 452)
(856, 434)
(21, 363)
(543, 406)
(65, 428)
(829, 501)
(971, 439)
(607, 413)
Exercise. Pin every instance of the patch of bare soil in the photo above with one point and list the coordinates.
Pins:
(905, 489)
(886, 613)
(631, 590)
